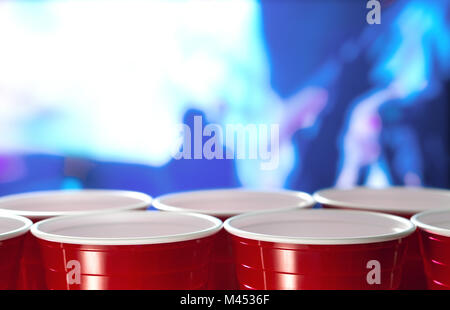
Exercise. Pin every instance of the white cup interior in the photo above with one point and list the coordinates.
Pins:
(127, 228)
(228, 202)
(435, 221)
(12, 226)
(320, 226)
(407, 200)
(58, 203)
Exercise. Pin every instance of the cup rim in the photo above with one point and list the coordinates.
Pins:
(159, 203)
(321, 197)
(408, 230)
(144, 201)
(27, 223)
(170, 238)
(416, 219)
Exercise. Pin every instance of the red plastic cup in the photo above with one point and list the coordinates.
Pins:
(12, 231)
(401, 201)
(127, 250)
(37, 206)
(434, 234)
(225, 203)
(319, 249)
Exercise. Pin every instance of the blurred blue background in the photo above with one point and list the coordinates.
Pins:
(91, 92)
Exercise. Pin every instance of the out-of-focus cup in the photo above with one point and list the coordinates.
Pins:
(127, 250)
(401, 201)
(38, 206)
(319, 249)
(225, 203)
(434, 234)
(12, 233)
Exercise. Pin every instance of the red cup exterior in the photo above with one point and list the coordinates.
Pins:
(279, 266)
(32, 270)
(436, 258)
(10, 253)
(169, 266)
(413, 275)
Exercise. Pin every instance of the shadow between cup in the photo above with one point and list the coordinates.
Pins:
(223, 204)
(319, 249)
(396, 200)
(42, 205)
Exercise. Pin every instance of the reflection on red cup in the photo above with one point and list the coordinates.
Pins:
(434, 233)
(37, 206)
(127, 250)
(401, 201)
(225, 203)
(12, 232)
(319, 249)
